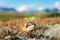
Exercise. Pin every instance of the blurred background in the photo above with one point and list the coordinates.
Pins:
(26, 15)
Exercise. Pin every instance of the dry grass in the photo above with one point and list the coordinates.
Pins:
(20, 24)
(42, 22)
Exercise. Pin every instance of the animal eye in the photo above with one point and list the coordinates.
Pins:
(26, 25)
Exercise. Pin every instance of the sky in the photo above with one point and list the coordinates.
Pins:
(22, 5)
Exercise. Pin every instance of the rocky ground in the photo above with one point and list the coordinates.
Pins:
(34, 28)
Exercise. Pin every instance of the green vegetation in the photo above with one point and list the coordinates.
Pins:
(48, 15)
(4, 16)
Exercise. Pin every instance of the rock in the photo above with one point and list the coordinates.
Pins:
(53, 31)
(7, 37)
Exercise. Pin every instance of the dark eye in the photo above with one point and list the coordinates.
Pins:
(27, 26)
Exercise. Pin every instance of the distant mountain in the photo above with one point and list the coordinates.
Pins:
(7, 9)
(55, 10)
(46, 10)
